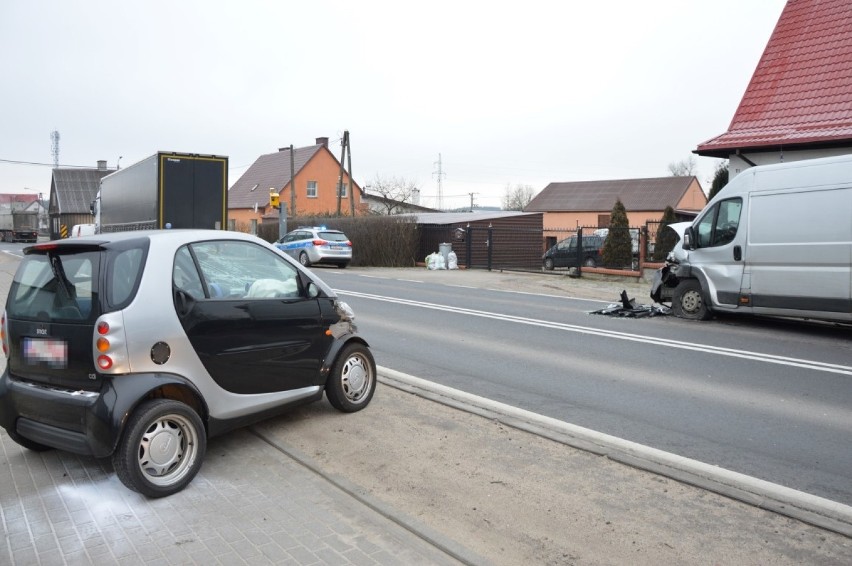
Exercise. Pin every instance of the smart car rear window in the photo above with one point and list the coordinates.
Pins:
(126, 267)
(55, 287)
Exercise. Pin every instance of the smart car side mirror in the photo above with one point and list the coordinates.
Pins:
(313, 290)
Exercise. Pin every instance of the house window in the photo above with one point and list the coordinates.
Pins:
(603, 220)
(344, 192)
(312, 189)
(253, 226)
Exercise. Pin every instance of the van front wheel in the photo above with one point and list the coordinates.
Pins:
(688, 301)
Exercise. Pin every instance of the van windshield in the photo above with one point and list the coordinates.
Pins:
(55, 287)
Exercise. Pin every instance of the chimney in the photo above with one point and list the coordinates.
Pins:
(102, 164)
(323, 142)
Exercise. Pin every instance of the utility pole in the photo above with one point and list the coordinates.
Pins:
(343, 144)
(351, 180)
(292, 182)
(440, 174)
(471, 200)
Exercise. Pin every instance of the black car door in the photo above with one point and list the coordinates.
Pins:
(245, 312)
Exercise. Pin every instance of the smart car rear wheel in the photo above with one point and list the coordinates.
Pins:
(352, 381)
(303, 259)
(162, 448)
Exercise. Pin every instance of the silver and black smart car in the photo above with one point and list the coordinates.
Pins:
(141, 345)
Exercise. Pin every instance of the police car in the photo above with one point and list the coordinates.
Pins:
(317, 245)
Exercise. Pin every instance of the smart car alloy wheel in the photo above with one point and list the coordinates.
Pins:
(353, 379)
(162, 448)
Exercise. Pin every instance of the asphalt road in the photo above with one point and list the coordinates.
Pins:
(770, 399)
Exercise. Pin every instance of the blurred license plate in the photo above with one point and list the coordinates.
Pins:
(52, 352)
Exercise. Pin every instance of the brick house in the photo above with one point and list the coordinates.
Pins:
(798, 104)
(316, 180)
(567, 206)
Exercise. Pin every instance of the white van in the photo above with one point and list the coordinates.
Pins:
(777, 240)
(82, 230)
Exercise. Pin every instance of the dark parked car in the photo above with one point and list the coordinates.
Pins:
(141, 345)
(564, 254)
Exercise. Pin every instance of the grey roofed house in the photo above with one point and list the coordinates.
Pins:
(268, 171)
(72, 191)
(593, 196)
(384, 205)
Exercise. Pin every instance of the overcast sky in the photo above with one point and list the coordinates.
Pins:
(507, 93)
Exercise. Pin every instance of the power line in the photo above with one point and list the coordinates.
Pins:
(52, 165)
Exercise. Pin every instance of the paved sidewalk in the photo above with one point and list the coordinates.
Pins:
(250, 504)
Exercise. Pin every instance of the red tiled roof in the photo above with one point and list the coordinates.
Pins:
(801, 90)
(25, 199)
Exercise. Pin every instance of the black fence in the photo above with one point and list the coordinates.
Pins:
(518, 249)
(486, 247)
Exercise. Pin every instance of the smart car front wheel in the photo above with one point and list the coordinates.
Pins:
(352, 380)
(162, 448)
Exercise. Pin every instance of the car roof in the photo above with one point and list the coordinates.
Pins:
(174, 236)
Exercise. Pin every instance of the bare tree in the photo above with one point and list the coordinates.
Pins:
(684, 168)
(396, 193)
(517, 197)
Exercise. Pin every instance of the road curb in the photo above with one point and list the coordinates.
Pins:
(799, 505)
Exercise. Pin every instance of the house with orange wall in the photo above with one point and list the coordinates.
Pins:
(314, 187)
(568, 206)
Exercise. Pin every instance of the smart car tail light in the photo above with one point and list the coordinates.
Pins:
(110, 344)
(4, 335)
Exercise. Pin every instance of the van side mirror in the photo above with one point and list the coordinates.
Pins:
(687, 239)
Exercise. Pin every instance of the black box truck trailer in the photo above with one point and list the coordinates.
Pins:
(166, 190)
